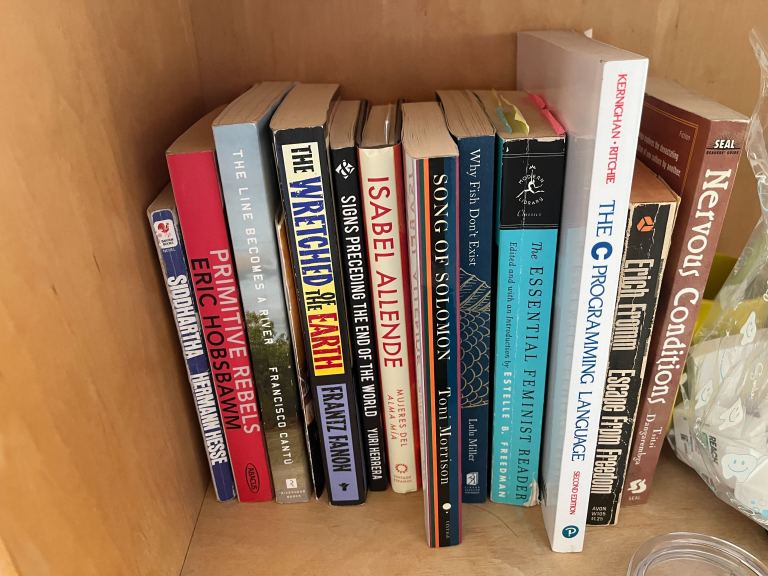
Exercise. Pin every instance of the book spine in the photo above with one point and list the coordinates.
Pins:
(649, 228)
(529, 200)
(305, 187)
(170, 251)
(384, 212)
(201, 214)
(435, 250)
(349, 212)
(702, 212)
(587, 291)
(251, 198)
(476, 160)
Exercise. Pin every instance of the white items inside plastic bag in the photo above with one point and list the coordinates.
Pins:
(721, 426)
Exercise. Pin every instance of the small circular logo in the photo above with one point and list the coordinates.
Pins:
(570, 531)
(252, 478)
(402, 468)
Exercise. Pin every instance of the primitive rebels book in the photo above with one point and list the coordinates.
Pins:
(652, 210)
(431, 167)
(299, 130)
(170, 251)
(195, 180)
(347, 119)
(530, 166)
(474, 136)
(384, 212)
(694, 145)
(598, 101)
(251, 198)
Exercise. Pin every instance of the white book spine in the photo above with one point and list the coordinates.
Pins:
(577, 372)
(383, 211)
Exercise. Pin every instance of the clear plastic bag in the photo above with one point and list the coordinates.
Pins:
(721, 426)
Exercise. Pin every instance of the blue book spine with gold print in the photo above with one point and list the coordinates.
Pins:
(475, 281)
(529, 188)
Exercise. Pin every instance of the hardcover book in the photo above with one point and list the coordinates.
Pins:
(251, 198)
(530, 164)
(170, 250)
(300, 131)
(345, 125)
(195, 180)
(381, 182)
(431, 161)
(694, 145)
(474, 136)
(652, 210)
(311, 432)
(596, 92)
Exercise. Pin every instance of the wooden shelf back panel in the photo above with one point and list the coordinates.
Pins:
(406, 48)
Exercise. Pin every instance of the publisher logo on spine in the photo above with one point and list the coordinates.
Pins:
(570, 531)
(345, 169)
(637, 486)
(252, 478)
(532, 191)
(645, 224)
(165, 232)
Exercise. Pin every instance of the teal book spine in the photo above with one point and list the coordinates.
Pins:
(529, 186)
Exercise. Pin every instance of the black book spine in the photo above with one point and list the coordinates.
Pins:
(354, 255)
(305, 187)
(641, 270)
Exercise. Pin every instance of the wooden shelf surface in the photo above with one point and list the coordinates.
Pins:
(385, 536)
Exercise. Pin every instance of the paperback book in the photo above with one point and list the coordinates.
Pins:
(251, 198)
(530, 165)
(345, 126)
(381, 182)
(170, 250)
(195, 180)
(652, 210)
(311, 431)
(694, 145)
(299, 129)
(474, 137)
(595, 91)
(431, 161)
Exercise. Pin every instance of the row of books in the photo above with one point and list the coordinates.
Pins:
(457, 296)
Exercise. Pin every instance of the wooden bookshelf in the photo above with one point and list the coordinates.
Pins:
(388, 533)
(101, 468)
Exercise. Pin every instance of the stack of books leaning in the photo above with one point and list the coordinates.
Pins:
(487, 295)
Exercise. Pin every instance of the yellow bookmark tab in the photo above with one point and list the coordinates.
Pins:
(511, 116)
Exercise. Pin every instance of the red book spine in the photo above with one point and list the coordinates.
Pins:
(197, 191)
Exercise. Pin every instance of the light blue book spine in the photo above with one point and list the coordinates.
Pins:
(528, 200)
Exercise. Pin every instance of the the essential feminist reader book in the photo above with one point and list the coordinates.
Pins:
(251, 198)
(195, 180)
(596, 92)
(651, 219)
(474, 136)
(170, 250)
(311, 432)
(300, 131)
(530, 169)
(344, 130)
(381, 184)
(431, 165)
(694, 144)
